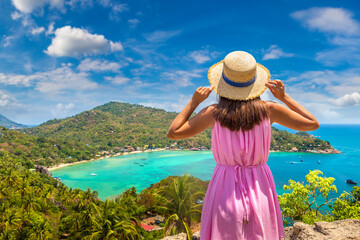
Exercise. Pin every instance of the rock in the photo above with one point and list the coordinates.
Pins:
(196, 236)
(43, 170)
(348, 229)
(182, 236)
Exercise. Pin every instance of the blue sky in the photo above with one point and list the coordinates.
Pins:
(61, 57)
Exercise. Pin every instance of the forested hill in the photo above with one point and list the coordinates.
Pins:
(5, 122)
(118, 124)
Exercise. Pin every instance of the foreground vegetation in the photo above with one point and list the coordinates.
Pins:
(116, 124)
(35, 206)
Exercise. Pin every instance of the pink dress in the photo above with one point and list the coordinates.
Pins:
(241, 200)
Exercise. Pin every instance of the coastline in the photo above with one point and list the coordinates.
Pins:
(332, 151)
(95, 159)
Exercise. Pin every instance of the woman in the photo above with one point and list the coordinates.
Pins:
(241, 200)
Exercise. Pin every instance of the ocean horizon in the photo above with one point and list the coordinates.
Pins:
(111, 176)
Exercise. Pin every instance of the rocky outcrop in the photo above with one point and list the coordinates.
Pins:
(348, 229)
(42, 169)
(182, 236)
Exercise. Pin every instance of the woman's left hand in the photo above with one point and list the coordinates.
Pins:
(201, 94)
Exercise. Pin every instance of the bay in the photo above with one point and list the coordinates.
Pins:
(116, 174)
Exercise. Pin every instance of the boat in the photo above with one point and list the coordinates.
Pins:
(318, 162)
(93, 174)
(292, 162)
(349, 181)
(141, 165)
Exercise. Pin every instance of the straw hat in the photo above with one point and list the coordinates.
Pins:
(239, 77)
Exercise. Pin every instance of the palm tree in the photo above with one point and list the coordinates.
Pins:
(180, 205)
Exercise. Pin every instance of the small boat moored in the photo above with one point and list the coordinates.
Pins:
(349, 181)
(93, 174)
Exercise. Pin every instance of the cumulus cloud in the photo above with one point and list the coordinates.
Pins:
(118, 80)
(54, 81)
(61, 109)
(348, 99)
(182, 78)
(328, 20)
(28, 6)
(98, 65)
(161, 36)
(274, 52)
(75, 42)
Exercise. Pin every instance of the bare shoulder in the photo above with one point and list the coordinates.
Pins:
(273, 108)
(208, 113)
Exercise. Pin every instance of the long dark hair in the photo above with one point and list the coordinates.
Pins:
(239, 114)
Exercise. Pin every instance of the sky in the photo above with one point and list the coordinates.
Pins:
(61, 57)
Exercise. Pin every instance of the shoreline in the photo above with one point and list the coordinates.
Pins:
(335, 151)
(95, 159)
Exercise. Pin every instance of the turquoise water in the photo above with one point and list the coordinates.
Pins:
(116, 174)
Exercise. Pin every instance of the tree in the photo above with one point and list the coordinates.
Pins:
(179, 205)
(303, 202)
(347, 205)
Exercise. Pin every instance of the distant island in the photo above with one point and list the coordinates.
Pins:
(115, 125)
(4, 121)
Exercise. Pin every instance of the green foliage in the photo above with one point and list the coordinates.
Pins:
(303, 202)
(42, 151)
(116, 124)
(347, 205)
(178, 204)
(282, 140)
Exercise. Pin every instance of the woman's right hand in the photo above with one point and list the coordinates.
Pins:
(201, 94)
(277, 88)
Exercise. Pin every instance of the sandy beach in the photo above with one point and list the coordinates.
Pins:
(95, 159)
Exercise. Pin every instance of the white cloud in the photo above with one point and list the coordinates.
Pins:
(6, 100)
(328, 20)
(61, 109)
(341, 55)
(200, 56)
(348, 99)
(98, 65)
(133, 22)
(118, 80)
(7, 41)
(274, 52)
(16, 15)
(60, 79)
(182, 78)
(28, 6)
(50, 30)
(37, 31)
(161, 36)
(75, 42)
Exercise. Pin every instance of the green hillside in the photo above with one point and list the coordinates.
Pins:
(4, 121)
(42, 151)
(118, 124)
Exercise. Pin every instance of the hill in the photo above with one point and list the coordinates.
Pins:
(42, 151)
(118, 124)
(4, 121)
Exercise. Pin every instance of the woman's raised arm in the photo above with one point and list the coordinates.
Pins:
(182, 127)
(296, 116)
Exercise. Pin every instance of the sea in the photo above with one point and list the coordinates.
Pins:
(111, 176)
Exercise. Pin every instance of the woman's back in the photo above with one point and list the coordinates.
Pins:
(244, 148)
(241, 200)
